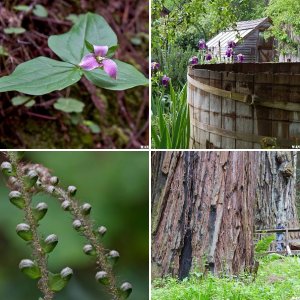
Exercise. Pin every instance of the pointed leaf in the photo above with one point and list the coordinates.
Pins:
(40, 76)
(69, 105)
(111, 51)
(71, 46)
(14, 30)
(3, 51)
(25, 8)
(20, 100)
(127, 77)
(73, 18)
(40, 11)
(89, 46)
(93, 126)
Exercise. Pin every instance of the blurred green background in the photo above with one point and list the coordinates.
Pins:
(116, 185)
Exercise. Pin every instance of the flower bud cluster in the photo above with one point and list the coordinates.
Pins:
(25, 186)
(23, 182)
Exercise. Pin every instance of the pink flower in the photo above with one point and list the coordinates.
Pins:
(98, 59)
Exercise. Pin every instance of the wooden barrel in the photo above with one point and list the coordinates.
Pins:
(244, 106)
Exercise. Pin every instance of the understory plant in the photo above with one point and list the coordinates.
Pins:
(26, 180)
(86, 50)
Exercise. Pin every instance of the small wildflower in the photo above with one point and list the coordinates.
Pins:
(98, 59)
(231, 44)
(202, 45)
(229, 52)
(165, 80)
(240, 58)
(155, 66)
(208, 56)
(193, 60)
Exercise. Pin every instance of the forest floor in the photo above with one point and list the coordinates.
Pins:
(109, 119)
(278, 278)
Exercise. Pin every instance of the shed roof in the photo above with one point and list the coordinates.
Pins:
(243, 28)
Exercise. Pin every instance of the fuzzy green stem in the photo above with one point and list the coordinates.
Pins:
(90, 235)
(37, 251)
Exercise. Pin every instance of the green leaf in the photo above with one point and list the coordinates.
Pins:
(69, 105)
(73, 18)
(93, 126)
(127, 77)
(19, 100)
(14, 30)
(3, 51)
(89, 46)
(71, 46)
(40, 76)
(111, 51)
(25, 8)
(40, 11)
(137, 41)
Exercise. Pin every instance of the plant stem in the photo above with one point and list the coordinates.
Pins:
(90, 235)
(37, 250)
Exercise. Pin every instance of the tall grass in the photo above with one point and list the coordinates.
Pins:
(170, 120)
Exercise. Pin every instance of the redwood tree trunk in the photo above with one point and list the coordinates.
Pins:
(203, 207)
(276, 190)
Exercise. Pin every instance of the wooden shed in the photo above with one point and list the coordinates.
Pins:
(249, 37)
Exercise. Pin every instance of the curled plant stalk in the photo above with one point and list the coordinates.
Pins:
(105, 260)
(22, 184)
(83, 224)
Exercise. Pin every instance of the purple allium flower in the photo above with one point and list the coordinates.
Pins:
(231, 44)
(208, 56)
(165, 80)
(155, 66)
(240, 58)
(229, 52)
(193, 60)
(201, 45)
(97, 59)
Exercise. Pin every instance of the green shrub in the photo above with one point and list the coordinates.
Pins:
(174, 62)
(263, 245)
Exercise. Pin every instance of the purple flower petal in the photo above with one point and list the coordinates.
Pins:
(110, 67)
(100, 50)
(89, 62)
